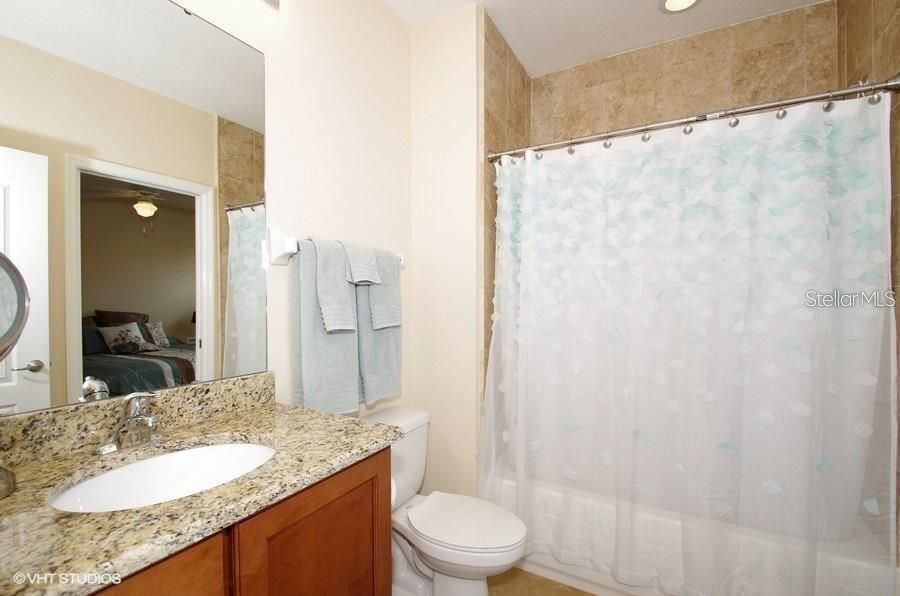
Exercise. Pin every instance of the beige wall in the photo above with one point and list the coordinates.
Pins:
(54, 107)
(341, 77)
(446, 238)
(241, 176)
(337, 141)
(124, 267)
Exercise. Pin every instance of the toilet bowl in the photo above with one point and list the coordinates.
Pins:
(443, 544)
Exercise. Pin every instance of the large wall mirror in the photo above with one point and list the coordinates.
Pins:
(131, 199)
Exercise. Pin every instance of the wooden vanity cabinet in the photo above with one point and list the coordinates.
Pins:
(203, 569)
(332, 538)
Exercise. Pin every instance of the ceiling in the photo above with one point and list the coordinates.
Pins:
(550, 35)
(153, 44)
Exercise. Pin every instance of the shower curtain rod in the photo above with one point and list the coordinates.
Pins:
(230, 208)
(860, 90)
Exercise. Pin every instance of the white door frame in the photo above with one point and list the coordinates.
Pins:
(205, 242)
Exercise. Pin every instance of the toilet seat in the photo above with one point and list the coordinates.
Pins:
(465, 524)
(454, 560)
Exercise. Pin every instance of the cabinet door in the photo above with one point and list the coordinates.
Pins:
(199, 570)
(333, 538)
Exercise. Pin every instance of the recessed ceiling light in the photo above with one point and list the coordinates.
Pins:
(678, 5)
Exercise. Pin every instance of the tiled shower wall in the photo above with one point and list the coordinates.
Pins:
(869, 50)
(507, 114)
(807, 50)
(241, 162)
(780, 56)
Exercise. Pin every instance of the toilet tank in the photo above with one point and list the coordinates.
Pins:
(407, 454)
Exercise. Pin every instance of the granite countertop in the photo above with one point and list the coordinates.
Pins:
(37, 539)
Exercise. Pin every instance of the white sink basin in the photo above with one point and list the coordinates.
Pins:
(163, 478)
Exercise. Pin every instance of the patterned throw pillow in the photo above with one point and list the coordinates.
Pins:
(158, 334)
(126, 339)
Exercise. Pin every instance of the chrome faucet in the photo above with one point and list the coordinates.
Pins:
(136, 426)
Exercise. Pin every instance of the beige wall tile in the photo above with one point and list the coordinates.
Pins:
(495, 93)
(717, 44)
(507, 125)
(768, 31)
(696, 87)
(882, 13)
(820, 19)
(768, 73)
(775, 57)
(494, 39)
(495, 131)
(886, 51)
(858, 29)
(821, 63)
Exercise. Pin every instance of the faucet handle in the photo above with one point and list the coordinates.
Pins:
(136, 403)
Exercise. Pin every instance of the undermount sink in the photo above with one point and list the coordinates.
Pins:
(163, 478)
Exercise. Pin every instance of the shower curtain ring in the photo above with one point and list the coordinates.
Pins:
(688, 129)
(828, 105)
(571, 150)
(734, 122)
(874, 99)
(539, 155)
(645, 137)
(607, 143)
(781, 113)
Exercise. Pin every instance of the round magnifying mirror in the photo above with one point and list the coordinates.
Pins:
(14, 302)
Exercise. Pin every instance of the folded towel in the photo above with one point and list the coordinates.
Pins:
(384, 298)
(327, 377)
(379, 347)
(362, 269)
(336, 296)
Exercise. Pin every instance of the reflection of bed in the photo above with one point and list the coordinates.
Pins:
(166, 367)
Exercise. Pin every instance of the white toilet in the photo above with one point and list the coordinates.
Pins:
(443, 544)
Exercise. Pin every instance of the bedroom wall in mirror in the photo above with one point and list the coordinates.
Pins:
(131, 199)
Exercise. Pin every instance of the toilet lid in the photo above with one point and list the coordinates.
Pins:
(466, 523)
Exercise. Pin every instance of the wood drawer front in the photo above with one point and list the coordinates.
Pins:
(333, 538)
(199, 570)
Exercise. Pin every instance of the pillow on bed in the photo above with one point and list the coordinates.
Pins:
(158, 334)
(126, 339)
(92, 341)
(111, 318)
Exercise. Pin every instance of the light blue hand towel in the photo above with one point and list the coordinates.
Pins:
(384, 298)
(327, 377)
(379, 346)
(362, 269)
(336, 296)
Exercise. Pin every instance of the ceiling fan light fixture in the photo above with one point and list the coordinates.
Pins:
(671, 6)
(145, 208)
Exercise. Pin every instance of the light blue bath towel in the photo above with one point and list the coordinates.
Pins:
(336, 296)
(379, 317)
(327, 374)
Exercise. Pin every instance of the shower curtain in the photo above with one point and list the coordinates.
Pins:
(697, 325)
(245, 303)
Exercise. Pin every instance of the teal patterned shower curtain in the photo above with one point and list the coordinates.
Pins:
(691, 383)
